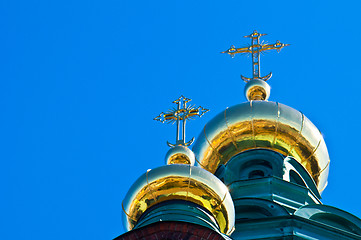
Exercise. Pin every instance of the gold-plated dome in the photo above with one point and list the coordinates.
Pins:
(257, 89)
(263, 125)
(179, 182)
(180, 154)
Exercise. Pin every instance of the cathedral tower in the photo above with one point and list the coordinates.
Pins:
(261, 169)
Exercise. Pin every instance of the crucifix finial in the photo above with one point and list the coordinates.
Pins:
(255, 49)
(179, 115)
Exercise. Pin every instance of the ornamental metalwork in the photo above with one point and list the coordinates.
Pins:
(180, 115)
(256, 48)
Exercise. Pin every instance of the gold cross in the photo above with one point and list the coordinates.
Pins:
(181, 113)
(255, 49)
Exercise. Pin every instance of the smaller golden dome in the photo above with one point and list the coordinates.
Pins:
(180, 154)
(179, 182)
(257, 89)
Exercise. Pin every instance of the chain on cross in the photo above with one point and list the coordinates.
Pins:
(180, 115)
(256, 48)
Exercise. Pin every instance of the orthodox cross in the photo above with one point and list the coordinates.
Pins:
(180, 115)
(255, 49)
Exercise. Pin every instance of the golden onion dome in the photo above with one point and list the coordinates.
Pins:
(180, 154)
(263, 125)
(257, 90)
(179, 182)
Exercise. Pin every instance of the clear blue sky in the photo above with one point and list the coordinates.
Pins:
(80, 82)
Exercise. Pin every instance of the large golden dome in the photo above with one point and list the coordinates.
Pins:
(263, 125)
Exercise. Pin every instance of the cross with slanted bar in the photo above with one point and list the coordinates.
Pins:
(181, 113)
(255, 49)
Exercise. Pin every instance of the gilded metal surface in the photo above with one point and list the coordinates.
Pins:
(180, 155)
(179, 182)
(181, 113)
(256, 48)
(257, 90)
(263, 125)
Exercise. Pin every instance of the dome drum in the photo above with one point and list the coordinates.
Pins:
(178, 210)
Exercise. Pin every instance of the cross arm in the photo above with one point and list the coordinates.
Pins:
(277, 46)
(166, 117)
(193, 112)
(233, 50)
